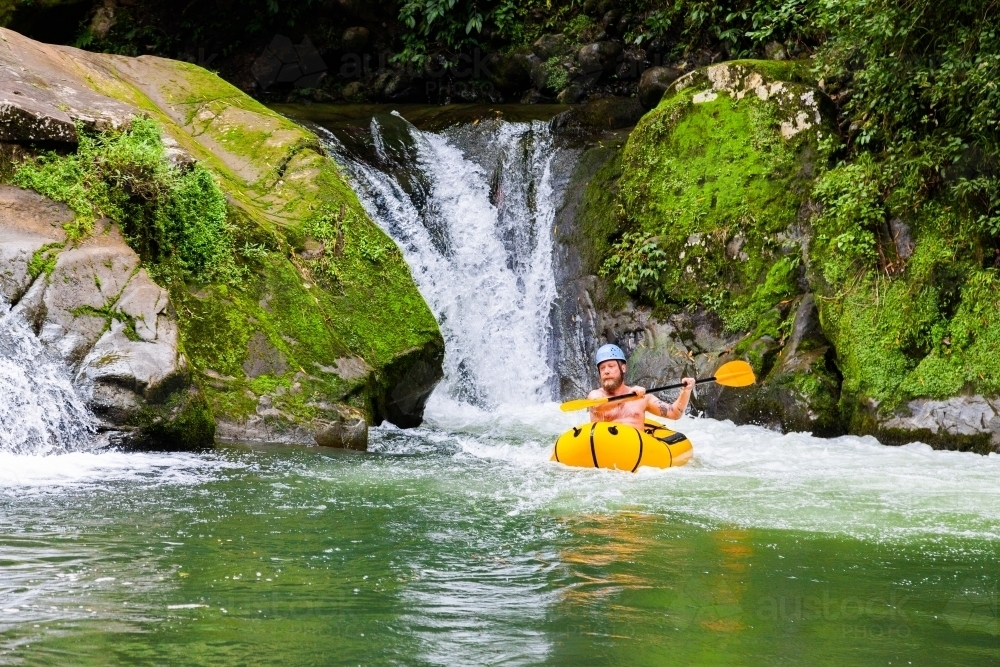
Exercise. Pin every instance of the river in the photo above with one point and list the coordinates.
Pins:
(459, 542)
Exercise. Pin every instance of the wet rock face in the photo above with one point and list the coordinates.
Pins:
(802, 390)
(782, 321)
(960, 422)
(92, 306)
(799, 386)
(339, 426)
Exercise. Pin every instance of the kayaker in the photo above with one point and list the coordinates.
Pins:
(611, 367)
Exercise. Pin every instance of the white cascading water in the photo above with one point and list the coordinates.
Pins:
(40, 411)
(472, 209)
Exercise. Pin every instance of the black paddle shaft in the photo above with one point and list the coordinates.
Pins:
(677, 385)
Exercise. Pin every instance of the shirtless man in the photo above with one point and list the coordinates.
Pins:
(611, 368)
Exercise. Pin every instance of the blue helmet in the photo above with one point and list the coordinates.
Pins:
(609, 352)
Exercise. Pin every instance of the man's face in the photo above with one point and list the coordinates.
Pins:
(612, 374)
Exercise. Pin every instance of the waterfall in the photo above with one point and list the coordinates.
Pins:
(40, 412)
(472, 209)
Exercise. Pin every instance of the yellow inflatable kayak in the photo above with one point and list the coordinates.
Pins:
(622, 447)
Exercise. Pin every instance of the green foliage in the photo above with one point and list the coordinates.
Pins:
(635, 263)
(556, 76)
(166, 214)
(740, 27)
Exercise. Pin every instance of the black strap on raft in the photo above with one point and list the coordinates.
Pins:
(638, 460)
(593, 451)
(673, 439)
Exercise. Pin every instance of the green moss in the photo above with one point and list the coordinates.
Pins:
(283, 194)
(600, 213)
(715, 186)
(44, 259)
(903, 329)
(184, 422)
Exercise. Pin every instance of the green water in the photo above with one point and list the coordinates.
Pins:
(459, 544)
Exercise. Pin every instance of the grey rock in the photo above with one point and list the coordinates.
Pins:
(343, 434)
(338, 426)
(532, 96)
(572, 94)
(394, 86)
(86, 279)
(354, 39)
(775, 51)
(510, 74)
(104, 19)
(653, 83)
(176, 155)
(599, 57)
(23, 118)
(354, 91)
(109, 322)
(607, 113)
(263, 358)
(968, 416)
(39, 102)
(902, 238)
(144, 301)
(125, 370)
(28, 223)
(549, 46)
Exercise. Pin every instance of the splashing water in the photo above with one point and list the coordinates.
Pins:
(472, 210)
(40, 412)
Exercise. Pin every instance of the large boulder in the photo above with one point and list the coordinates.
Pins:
(306, 340)
(550, 46)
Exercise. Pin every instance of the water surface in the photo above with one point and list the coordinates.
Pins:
(460, 543)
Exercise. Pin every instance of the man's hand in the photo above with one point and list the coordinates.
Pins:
(639, 391)
(688, 384)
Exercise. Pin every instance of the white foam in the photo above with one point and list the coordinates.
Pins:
(746, 476)
(25, 473)
(40, 410)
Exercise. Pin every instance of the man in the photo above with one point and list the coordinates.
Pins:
(611, 368)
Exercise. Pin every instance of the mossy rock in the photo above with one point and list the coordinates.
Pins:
(712, 181)
(700, 212)
(325, 294)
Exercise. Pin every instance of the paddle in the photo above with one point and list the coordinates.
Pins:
(732, 374)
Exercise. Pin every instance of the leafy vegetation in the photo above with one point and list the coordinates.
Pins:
(166, 213)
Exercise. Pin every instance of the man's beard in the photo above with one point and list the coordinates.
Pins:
(610, 384)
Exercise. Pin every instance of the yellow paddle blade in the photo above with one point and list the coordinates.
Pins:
(582, 404)
(735, 374)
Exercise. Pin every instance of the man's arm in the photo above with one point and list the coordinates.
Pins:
(673, 410)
